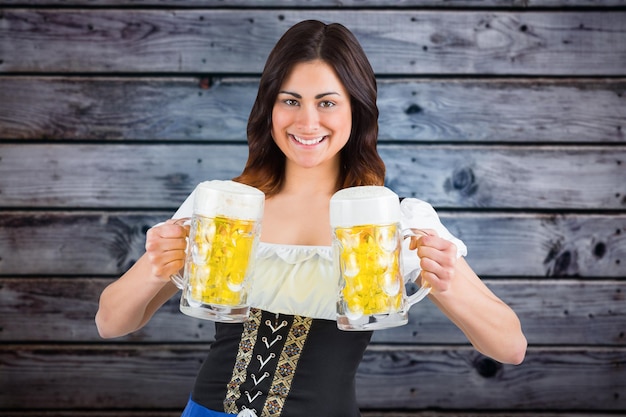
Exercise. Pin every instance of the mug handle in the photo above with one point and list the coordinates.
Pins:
(178, 278)
(424, 290)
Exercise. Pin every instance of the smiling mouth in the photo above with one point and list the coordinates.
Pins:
(308, 142)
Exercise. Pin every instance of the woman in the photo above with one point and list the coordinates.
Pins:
(312, 131)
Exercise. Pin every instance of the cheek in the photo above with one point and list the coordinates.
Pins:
(279, 123)
(280, 120)
(342, 123)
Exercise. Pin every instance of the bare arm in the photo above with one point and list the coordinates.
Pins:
(490, 325)
(127, 304)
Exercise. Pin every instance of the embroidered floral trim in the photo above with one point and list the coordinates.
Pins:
(293, 254)
(244, 356)
(283, 365)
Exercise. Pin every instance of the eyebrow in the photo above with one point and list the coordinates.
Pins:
(296, 95)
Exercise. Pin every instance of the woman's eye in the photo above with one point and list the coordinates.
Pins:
(326, 104)
(291, 102)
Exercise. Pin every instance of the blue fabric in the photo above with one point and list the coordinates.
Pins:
(193, 409)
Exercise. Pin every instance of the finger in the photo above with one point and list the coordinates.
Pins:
(165, 257)
(170, 229)
(436, 284)
(437, 242)
(430, 248)
(173, 240)
(160, 259)
(161, 245)
(166, 270)
(444, 273)
(184, 222)
(443, 270)
(443, 259)
(429, 232)
(415, 240)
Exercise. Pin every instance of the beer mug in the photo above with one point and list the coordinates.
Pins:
(223, 236)
(367, 246)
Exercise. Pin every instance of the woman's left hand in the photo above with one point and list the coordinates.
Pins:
(493, 327)
(438, 259)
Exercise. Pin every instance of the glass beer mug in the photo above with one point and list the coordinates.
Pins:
(367, 243)
(223, 236)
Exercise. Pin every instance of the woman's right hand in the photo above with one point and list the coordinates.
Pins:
(165, 248)
(128, 303)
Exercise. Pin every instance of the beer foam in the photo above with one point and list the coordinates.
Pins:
(364, 205)
(230, 199)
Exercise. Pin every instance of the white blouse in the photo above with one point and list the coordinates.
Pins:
(302, 280)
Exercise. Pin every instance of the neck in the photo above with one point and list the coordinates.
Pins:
(316, 180)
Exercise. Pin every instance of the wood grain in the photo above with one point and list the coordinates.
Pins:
(397, 42)
(507, 115)
(216, 109)
(500, 244)
(176, 413)
(341, 4)
(416, 378)
(553, 312)
(548, 379)
(448, 176)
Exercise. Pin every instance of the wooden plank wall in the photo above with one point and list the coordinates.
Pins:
(508, 115)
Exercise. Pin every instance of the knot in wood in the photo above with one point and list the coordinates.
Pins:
(462, 180)
(413, 109)
(487, 367)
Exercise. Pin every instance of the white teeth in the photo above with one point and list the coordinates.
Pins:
(309, 141)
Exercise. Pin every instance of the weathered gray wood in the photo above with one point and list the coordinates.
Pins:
(418, 42)
(184, 108)
(549, 379)
(99, 413)
(552, 312)
(556, 245)
(109, 176)
(463, 413)
(86, 243)
(521, 4)
(448, 176)
(98, 377)
(63, 310)
(526, 110)
(509, 177)
(54, 263)
(500, 244)
(99, 108)
(125, 108)
(160, 377)
(134, 413)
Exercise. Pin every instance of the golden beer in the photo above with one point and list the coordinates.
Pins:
(367, 245)
(223, 236)
(370, 263)
(221, 250)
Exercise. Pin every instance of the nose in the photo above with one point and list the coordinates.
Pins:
(307, 120)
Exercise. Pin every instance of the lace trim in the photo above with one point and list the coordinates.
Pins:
(293, 254)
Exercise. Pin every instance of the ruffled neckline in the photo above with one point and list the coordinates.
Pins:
(293, 254)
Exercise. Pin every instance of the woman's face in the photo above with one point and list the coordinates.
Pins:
(312, 118)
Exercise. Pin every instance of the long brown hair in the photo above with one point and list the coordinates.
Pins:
(335, 45)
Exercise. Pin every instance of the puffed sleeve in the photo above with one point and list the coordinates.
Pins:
(418, 214)
(185, 209)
